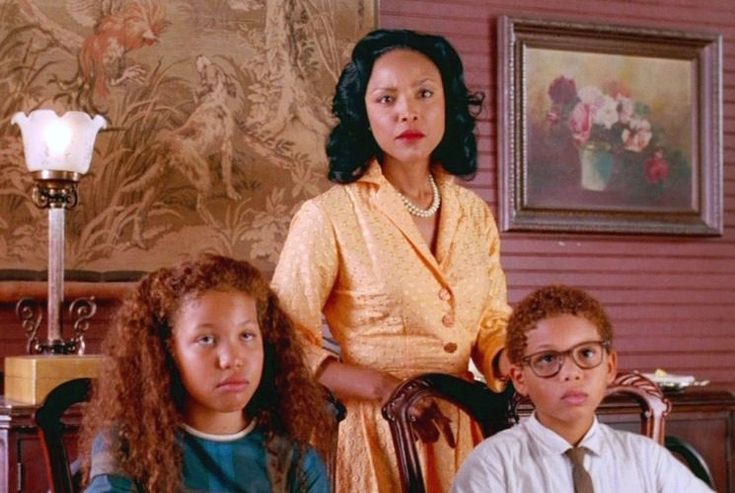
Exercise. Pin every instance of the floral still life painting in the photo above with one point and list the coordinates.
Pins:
(609, 128)
(217, 116)
(607, 136)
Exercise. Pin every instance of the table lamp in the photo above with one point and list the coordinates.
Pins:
(58, 151)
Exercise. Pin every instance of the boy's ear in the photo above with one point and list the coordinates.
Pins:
(519, 379)
(612, 366)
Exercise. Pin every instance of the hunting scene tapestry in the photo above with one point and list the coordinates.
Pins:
(217, 117)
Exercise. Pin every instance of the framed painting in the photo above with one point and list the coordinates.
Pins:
(609, 129)
(217, 117)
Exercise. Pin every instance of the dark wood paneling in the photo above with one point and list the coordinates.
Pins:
(670, 298)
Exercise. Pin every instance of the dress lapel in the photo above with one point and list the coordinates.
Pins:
(449, 219)
(389, 203)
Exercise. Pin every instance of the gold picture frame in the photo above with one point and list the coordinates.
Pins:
(609, 129)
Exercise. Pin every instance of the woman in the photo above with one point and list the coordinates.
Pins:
(402, 262)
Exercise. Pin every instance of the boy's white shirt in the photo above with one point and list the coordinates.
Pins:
(530, 458)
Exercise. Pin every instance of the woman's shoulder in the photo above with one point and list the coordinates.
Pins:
(334, 194)
(469, 201)
(329, 203)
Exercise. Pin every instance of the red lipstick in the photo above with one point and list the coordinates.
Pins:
(411, 135)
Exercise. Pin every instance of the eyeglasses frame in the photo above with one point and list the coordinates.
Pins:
(525, 361)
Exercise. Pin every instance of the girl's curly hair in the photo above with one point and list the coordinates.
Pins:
(351, 145)
(139, 392)
(547, 302)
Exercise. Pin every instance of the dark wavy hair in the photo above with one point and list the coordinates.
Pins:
(140, 393)
(351, 145)
(548, 302)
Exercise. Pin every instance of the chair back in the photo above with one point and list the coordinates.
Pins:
(51, 431)
(654, 406)
(654, 409)
(490, 410)
(691, 457)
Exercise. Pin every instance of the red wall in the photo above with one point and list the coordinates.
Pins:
(672, 300)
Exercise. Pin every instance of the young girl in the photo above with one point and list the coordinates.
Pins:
(205, 390)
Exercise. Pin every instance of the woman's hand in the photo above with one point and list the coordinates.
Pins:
(356, 382)
(428, 422)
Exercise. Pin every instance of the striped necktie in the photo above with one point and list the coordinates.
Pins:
(582, 479)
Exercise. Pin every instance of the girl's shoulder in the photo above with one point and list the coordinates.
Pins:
(295, 467)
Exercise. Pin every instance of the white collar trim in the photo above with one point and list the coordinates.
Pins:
(219, 438)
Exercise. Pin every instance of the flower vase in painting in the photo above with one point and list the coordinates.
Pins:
(596, 167)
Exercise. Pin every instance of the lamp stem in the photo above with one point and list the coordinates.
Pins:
(55, 273)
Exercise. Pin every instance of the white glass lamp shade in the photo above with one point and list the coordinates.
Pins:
(58, 143)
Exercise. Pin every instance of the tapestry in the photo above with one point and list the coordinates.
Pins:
(217, 112)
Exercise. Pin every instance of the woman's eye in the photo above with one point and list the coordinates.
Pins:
(385, 99)
(426, 93)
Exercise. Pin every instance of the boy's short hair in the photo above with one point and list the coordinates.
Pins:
(548, 302)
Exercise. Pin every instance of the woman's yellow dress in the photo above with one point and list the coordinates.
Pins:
(355, 255)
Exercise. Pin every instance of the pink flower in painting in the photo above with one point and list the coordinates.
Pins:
(638, 134)
(656, 168)
(580, 122)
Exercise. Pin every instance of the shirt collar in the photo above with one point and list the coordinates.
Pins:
(553, 444)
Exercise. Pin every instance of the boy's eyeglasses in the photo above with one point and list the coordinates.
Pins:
(586, 355)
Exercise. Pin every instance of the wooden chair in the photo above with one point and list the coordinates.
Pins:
(654, 405)
(490, 410)
(654, 409)
(691, 457)
(51, 431)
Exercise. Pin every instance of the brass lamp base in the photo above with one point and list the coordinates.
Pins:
(29, 379)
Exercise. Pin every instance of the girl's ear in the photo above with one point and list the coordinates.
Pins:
(519, 379)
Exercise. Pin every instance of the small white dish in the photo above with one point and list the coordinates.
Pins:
(674, 383)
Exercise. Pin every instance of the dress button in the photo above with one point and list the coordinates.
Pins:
(444, 294)
(448, 320)
(450, 347)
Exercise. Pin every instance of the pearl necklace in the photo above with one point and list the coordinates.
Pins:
(415, 210)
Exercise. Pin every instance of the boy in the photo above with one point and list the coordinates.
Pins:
(559, 345)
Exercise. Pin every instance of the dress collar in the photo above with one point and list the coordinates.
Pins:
(374, 174)
(220, 438)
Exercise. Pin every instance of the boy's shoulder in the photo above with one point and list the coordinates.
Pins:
(505, 444)
(624, 438)
(622, 446)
